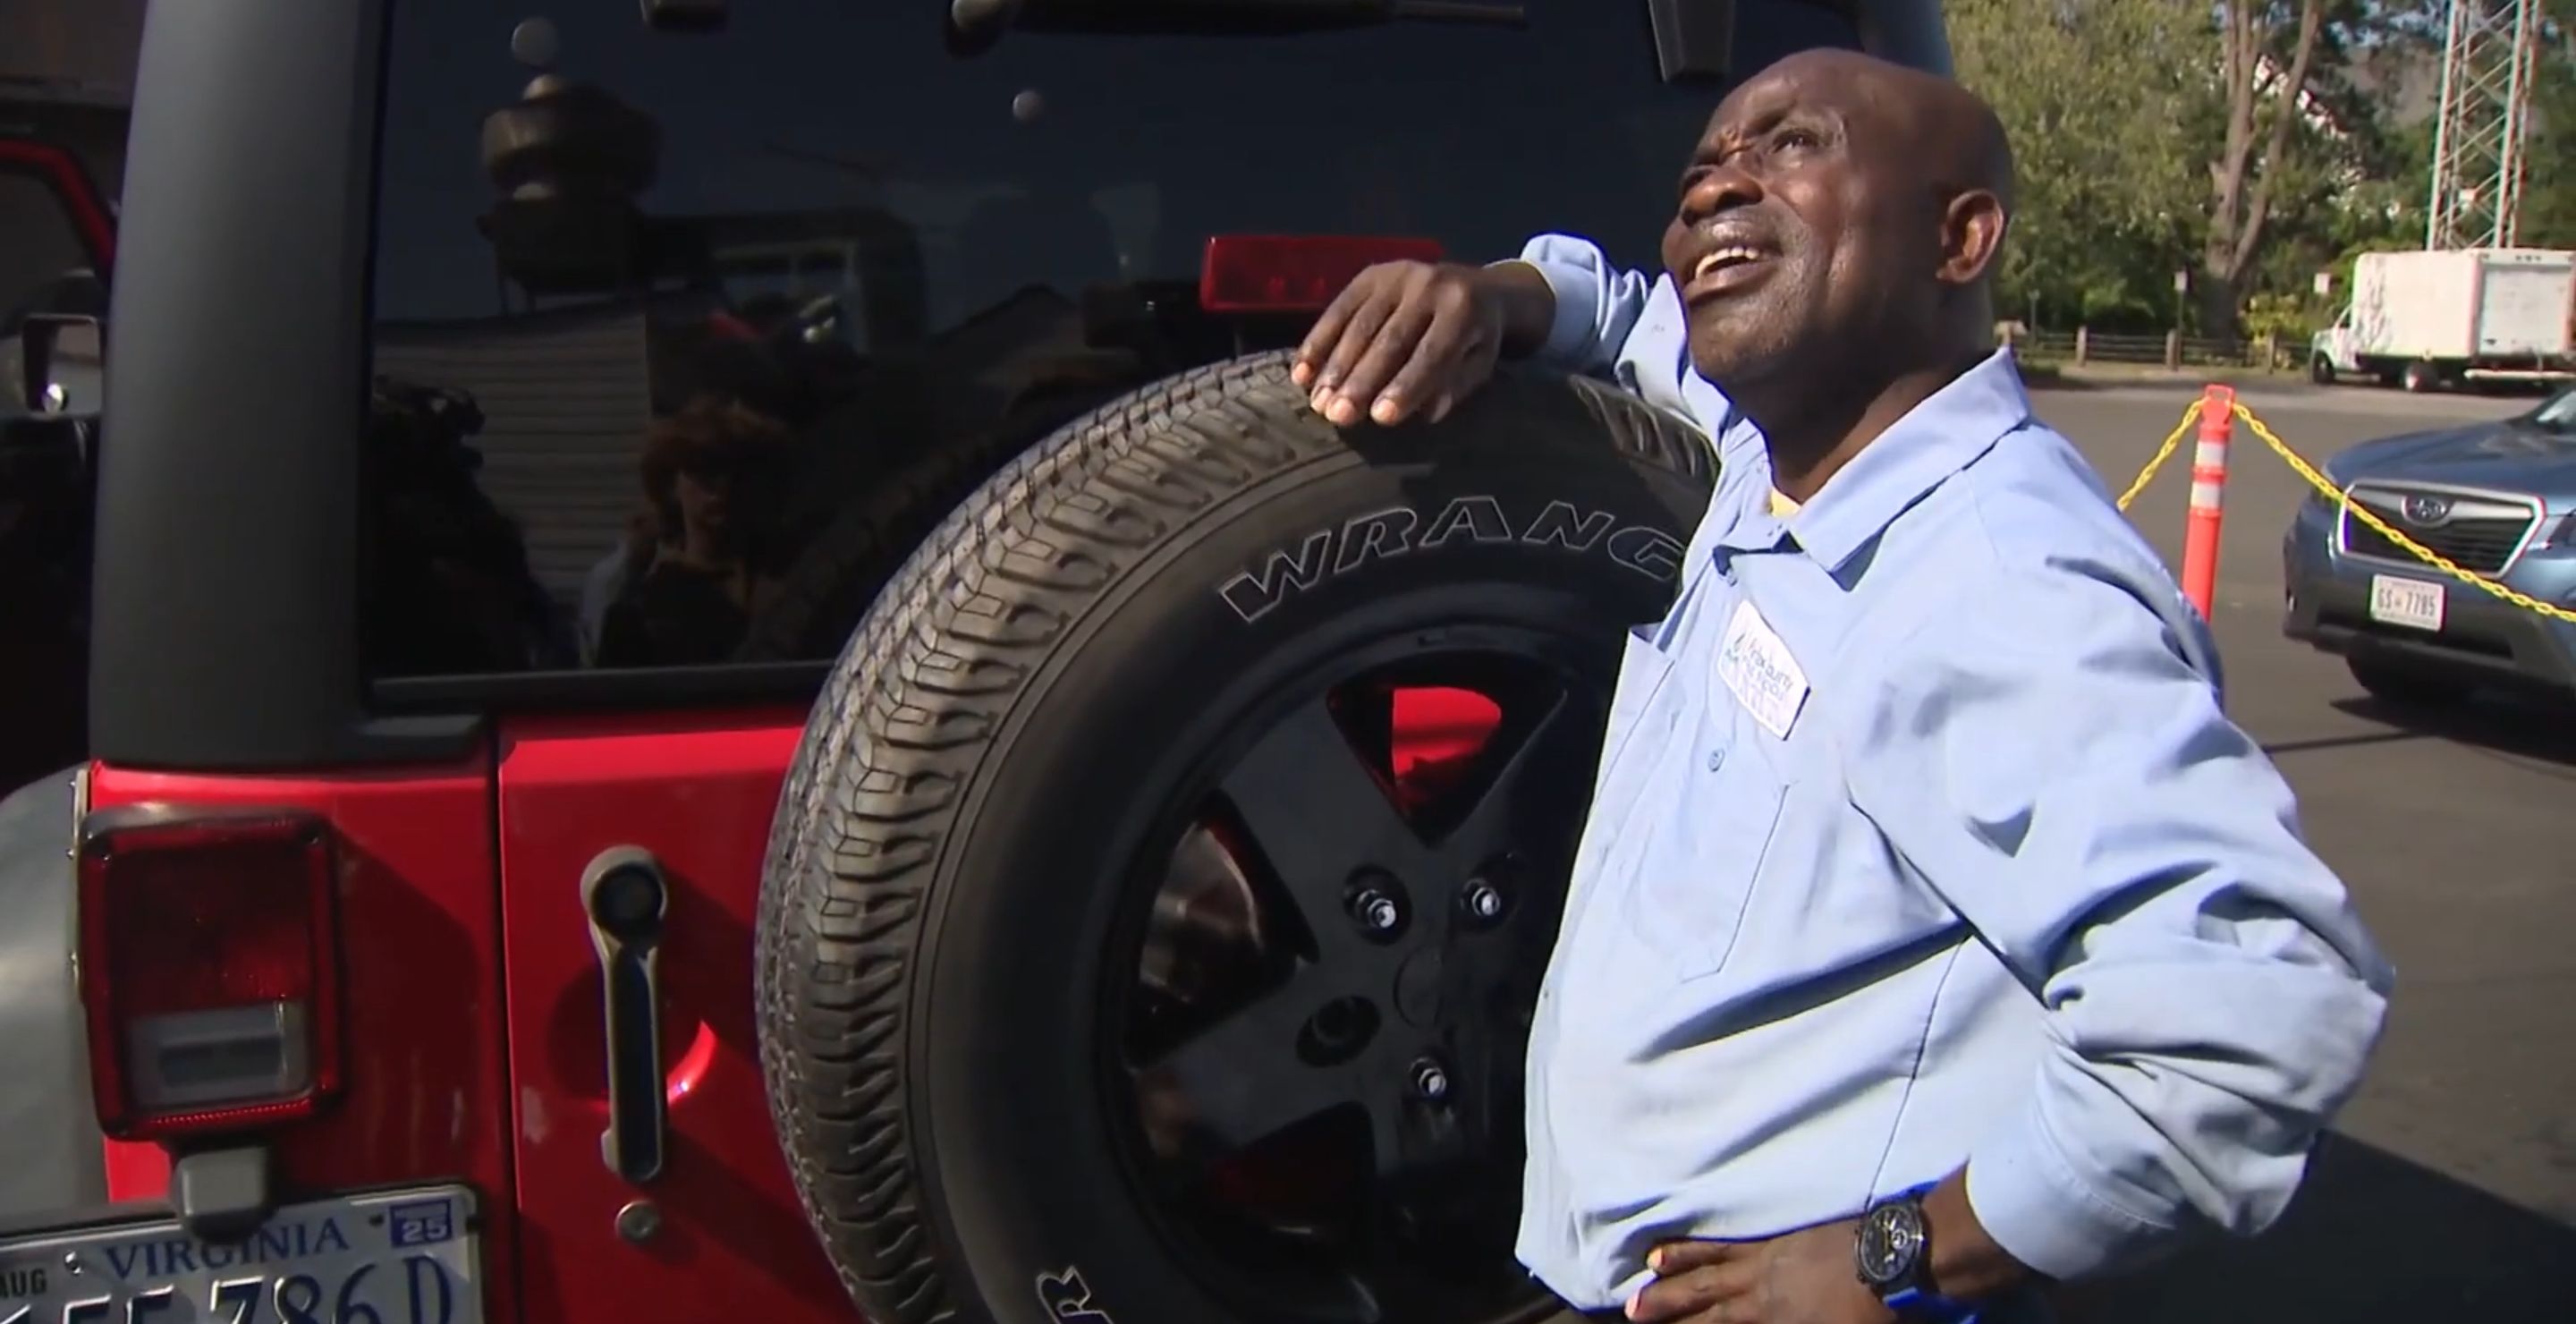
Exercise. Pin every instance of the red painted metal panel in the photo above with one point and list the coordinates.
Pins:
(698, 792)
(427, 1096)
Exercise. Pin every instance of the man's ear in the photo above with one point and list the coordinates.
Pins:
(1972, 233)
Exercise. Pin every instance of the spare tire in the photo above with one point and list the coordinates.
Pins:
(844, 567)
(1158, 898)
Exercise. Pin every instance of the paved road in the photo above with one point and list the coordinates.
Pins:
(2451, 1192)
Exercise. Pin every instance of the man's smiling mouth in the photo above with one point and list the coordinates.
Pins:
(1726, 269)
(1719, 258)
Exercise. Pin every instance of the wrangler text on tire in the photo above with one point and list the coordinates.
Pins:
(1159, 896)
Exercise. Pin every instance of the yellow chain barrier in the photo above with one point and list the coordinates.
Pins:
(2190, 415)
(2263, 433)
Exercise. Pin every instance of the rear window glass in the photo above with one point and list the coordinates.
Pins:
(615, 427)
(40, 251)
(44, 490)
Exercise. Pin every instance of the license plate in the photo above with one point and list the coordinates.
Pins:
(401, 1257)
(2408, 602)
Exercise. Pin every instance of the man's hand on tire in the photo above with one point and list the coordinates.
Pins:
(1416, 338)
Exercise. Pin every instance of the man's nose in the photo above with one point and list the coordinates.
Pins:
(1718, 190)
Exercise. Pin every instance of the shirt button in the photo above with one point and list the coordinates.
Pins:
(1716, 759)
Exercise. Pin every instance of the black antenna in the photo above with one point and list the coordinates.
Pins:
(687, 16)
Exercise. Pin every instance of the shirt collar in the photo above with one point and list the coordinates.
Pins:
(1934, 440)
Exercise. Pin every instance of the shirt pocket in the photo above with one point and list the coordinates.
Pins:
(1643, 669)
(1698, 873)
(1643, 712)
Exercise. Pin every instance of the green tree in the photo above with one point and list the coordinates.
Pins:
(2358, 166)
(2266, 51)
(2549, 193)
(2092, 93)
(2256, 142)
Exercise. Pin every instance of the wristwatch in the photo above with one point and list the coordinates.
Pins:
(1893, 1250)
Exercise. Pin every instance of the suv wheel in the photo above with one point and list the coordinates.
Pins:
(1158, 900)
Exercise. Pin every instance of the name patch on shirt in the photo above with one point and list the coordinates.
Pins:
(1757, 668)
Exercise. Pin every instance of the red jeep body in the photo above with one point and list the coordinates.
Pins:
(356, 746)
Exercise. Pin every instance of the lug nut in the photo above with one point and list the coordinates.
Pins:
(1376, 911)
(1429, 1081)
(1482, 900)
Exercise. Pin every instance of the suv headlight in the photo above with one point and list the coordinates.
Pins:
(2562, 533)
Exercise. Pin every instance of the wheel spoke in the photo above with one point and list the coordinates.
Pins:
(1242, 1079)
(1390, 1134)
(1535, 793)
(1493, 978)
(1423, 916)
(1317, 815)
(1408, 1140)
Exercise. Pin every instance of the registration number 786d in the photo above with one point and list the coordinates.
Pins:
(406, 1257)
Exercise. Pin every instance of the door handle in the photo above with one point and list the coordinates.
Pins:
(625, 895)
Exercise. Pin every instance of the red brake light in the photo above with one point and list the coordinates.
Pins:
(209, 970)
(1246, 273)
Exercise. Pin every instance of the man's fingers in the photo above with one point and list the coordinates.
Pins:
(1359, 337)
(1326, 334)
(1398, 340)
(1677, 1257)
(1436, 366)
(1692, 1295)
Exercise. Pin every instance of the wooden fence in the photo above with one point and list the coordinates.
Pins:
(2171, 350)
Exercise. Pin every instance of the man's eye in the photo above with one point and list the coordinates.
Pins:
(1794, 140)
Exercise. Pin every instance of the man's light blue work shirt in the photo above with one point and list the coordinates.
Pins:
(2010, 891)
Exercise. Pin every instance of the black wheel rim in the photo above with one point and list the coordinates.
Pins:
(1320, 1039)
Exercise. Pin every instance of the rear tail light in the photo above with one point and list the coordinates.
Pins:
(209, 968)
(1248, 273)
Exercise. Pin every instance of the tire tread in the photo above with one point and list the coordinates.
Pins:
(909, 714)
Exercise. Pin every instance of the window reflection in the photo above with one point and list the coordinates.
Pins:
(45, 484)
(684, 341)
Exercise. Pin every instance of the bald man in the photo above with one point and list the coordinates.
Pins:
(1934, 934)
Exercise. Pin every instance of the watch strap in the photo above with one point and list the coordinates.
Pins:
(1914, 1300)
(1918, 1303)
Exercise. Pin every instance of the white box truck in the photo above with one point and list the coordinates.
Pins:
(2440, 317)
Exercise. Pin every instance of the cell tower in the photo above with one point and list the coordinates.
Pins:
(2479, 135)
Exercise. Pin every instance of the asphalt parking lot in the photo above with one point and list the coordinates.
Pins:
(2450, 1192)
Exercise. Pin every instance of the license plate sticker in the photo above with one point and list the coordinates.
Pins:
(2412, 603)
(397, 1257)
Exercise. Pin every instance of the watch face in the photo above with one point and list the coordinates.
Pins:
(1891, 1238)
